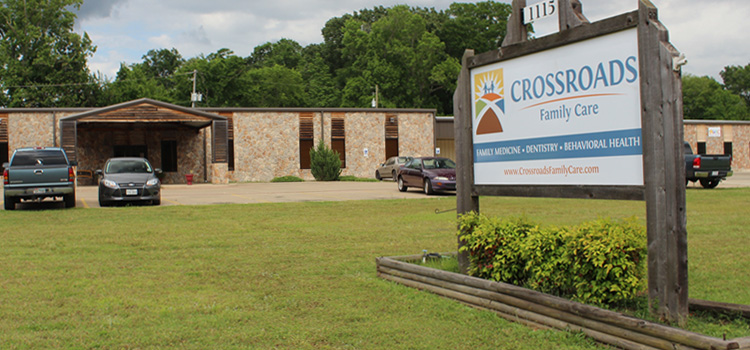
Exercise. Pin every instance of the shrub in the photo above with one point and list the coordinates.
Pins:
(599, 262)
(356, 179)
(325, 164)
(288, 178)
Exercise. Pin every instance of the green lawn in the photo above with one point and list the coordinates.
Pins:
(296, 275)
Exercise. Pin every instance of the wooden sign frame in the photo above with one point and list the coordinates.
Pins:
(662, 135)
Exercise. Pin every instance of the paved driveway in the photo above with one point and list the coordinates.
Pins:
(267, 193)
(86, 196)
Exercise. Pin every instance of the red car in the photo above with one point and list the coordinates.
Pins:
(429, 173)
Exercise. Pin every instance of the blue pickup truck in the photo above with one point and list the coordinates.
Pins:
(34, 174)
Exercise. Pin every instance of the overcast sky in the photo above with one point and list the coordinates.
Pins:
(711, 33)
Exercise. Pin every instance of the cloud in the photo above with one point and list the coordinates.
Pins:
(98, 8)
(708, 32)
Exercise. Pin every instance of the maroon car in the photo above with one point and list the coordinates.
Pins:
(429, 173)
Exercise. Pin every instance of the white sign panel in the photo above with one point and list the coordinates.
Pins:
(714, 131)
(565, 116)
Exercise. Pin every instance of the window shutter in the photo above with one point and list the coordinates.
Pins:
(391, 126)
(220, 141)
(306, 126)
(3, 128)
(68, 138)
(337, 129)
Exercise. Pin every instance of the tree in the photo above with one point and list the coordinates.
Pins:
(325, 164)
(704, 98)
(42, 59)
(285, 52)
(480, 26)
(319, 83)
(737, 80)
(399, 55)
(274, 86)
(153, 78)
(219, 79)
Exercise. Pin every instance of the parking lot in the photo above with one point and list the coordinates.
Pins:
(239, 193)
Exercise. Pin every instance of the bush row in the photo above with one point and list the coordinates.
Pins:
(599, 262)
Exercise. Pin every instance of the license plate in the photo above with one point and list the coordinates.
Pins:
(714, 173)
(40, 190)
(131, 192)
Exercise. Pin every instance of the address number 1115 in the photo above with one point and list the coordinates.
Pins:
(539, 10)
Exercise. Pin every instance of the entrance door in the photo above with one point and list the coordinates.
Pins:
(131, 151)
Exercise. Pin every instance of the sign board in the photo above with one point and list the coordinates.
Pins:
(714, 131)
(539, 10)
(565, 116)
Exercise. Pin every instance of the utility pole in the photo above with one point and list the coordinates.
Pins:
(375, 100)
(193, 95)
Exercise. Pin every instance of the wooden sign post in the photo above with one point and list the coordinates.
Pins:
(594, 111)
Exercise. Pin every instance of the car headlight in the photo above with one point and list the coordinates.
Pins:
(109, 183)
(152, 182)
(441, 178)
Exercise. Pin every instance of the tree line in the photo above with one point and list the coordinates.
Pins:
(411, 54)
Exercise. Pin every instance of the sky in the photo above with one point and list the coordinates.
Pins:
(712, 34)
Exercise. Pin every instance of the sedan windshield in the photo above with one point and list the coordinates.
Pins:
(439, 163)
(128, 166)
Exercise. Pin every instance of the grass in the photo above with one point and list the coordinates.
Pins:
(288, 178)
(294, 275)
(357, 179)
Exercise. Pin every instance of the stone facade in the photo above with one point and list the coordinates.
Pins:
(715, 133)
(266, 141)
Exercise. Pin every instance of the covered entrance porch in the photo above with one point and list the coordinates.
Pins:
(176, 139)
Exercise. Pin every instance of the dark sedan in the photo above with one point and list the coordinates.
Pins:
(129, 180)
(429, 173)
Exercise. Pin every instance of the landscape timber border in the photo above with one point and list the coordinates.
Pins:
(544, 311)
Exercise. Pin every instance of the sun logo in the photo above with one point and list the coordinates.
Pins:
(489, 101)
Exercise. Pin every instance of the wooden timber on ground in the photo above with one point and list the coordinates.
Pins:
(541, 310)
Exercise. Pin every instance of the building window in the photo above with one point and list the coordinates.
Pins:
(338, 139)
(230, 139)
(728, 148)
(169, 156)
(391, 136)
(701, 148)
(306, 134)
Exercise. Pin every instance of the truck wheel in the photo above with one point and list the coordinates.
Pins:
(70, 200)
(10, 203)
(709, 183)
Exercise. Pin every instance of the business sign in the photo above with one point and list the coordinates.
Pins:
(565, 116)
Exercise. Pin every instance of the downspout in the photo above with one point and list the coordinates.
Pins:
(205, 157)
(54, 130)
(322, 128)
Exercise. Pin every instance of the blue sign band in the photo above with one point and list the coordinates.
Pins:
(600, 144)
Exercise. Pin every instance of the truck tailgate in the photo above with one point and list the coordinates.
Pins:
(715, 162)
(38, 176)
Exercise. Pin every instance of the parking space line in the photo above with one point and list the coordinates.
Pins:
(171, 201)
(85, 205)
